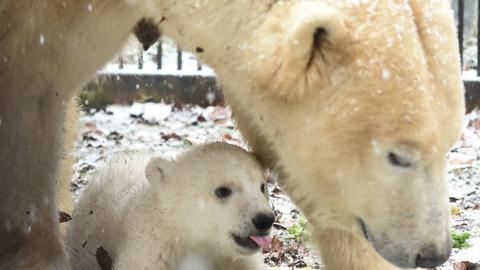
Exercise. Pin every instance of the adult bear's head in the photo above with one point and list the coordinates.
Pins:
(358, 103)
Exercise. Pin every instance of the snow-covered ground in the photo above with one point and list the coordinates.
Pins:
(169, 131)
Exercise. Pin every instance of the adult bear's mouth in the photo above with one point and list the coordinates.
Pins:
(406, 252)
(364, 229)
(252, 242)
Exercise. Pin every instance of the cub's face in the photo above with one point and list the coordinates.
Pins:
(232, 209)
(216, 196)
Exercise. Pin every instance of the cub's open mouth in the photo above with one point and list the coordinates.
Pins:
(253, 242)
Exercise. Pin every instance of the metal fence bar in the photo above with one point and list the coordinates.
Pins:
(179, 58)
(159, 55)
(140, 58)
(199, 65)
(461, 12)
(120, 62)
(478, 38)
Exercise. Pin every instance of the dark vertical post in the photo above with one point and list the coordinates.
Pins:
(120, 62)
(478, 38)
(460, 28)
(159, 54)
(179, 58)
(140, 58)
(199, 64)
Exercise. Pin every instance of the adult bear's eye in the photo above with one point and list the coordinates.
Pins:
(223, 192)
(398, 161)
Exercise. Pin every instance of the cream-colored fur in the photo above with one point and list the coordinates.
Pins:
(387, 82)
(65, 169)
(150, 213)
(332, 92)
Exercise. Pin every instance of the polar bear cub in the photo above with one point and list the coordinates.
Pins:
(206, 210)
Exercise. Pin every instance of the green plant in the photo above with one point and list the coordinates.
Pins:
(460, 239)
(299, 230)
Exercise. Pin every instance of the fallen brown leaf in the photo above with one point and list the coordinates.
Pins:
(64, 217)
(466, 265)
(220, 121)
(299, 264)
(103, 258)
(455, 210)
(167, 137)
(200, 118)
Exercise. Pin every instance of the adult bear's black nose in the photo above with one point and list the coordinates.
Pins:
(430, 257)
(263, 221)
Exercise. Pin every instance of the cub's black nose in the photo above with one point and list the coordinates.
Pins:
(263, 221)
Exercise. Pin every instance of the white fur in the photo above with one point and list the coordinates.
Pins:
(150, 213)
(313, 115)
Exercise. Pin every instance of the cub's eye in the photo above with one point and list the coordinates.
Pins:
(223, 192)
(262, 188)
(398, 161)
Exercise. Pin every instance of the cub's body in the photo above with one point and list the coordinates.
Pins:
(150, 213)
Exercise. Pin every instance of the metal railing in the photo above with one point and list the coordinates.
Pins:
(471, 21)
(468, 24)
(140, 56)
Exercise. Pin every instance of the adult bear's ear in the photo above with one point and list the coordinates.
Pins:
(300, 44)
(157, 171)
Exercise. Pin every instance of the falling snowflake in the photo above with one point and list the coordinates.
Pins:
(42, 39)
(386, 74)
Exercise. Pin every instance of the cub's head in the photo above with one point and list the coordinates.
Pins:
(358, 102)
(217, 196)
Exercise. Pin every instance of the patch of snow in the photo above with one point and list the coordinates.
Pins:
(211, 97)
(469, 254)
(470, 75)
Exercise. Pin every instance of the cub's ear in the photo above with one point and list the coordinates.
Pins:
(157, 171)
(298, 45)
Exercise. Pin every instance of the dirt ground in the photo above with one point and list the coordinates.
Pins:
(168, 131)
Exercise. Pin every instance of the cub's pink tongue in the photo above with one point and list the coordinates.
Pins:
(262, 241)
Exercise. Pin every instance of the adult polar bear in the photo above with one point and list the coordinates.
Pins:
(348, 99)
